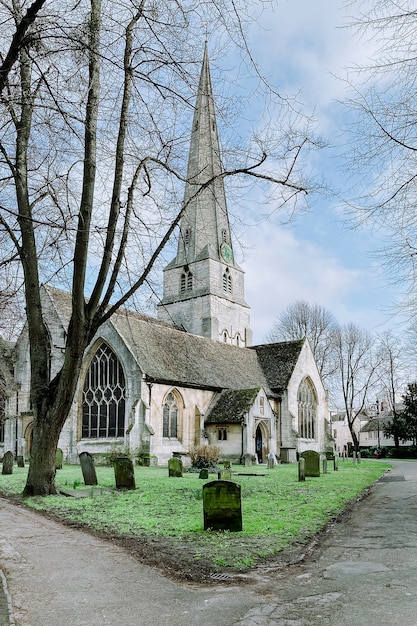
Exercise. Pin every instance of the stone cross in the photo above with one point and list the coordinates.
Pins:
(222, 506)
(124, 473)
(88, 469)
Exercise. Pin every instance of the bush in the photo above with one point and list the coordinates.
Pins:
(204, 456)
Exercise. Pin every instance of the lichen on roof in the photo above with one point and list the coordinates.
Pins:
(231, 406)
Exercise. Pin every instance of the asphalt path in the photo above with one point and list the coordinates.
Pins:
(363, 571)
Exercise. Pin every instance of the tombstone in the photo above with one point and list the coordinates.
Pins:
(271, 462)
(336, 463)
(222, 506)
(225, 474)
(227, 465)
(20, 460)
(312, 460)
(301, 469)
(59, 458)
(324, 465)
(203, 473)
(353, 458)
(88, 469)
(358, 457)
(248, 460)
(175, 467)
(123, 473)
(8, 461)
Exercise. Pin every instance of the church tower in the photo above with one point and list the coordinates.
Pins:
(203, 286)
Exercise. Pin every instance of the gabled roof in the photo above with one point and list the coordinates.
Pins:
(166, 354)
(231, 405)
(278, 361)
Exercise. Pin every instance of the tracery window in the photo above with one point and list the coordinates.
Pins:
(307, 409)
(170, 416)
(227, 281)
(104, 396)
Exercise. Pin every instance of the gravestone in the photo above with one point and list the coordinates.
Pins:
(271, 462)
(59, 458)
(358, 457)
(123, 473)
(175, 467)
(248, 460)
(336, 463)
(8, 461)
(88, 469)
(203, 473)
(301, 469)
(20, 460)
(225, 474)
(222, 506)
(227, 465)
(354, 458)
(312, 460)
(324, 465)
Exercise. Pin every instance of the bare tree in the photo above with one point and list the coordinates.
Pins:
(92, 148)
(392, 378)
(359, 360)
(382, 137)
(302, 319)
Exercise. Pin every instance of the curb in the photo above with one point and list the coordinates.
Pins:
(8, 601)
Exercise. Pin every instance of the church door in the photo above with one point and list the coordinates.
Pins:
(258, 444)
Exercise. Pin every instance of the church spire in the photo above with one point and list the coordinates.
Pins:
(204, 228)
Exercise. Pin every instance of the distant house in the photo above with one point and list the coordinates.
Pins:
(191, 377)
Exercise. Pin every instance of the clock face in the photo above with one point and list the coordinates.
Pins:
(226, 252)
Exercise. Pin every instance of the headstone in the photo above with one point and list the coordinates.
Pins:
(222, 506)
(301, 469)
(248, 460)
(354, 458)
(358, 457)
(203, 473)
(324, 464)
(20, 460)
(271, 462)
(225, 474)
(336, 463)
(312, 460)
(8, 460)
(123, 473)
(227, 465)
(175, 467)
(88, 469)
(59, 458)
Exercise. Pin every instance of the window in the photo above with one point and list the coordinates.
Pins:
(170, 417)
(307, 406)
(261, 405)
(222, 434)
(104, 396)
(224, 235)
(186, 281)
(227, 281)
(187, 235)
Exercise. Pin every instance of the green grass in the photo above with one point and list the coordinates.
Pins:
(277, 510)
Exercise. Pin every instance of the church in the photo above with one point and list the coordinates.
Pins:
(155, 387)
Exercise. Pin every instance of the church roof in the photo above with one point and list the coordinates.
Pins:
(173, 356)
(278, 361)
(231, 405)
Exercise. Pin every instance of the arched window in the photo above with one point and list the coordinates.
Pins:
(104, 396)
(307, 409)
(186, 281)
(170, 416)
(227, 281)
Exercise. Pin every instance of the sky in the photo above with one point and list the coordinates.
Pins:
(318, 258)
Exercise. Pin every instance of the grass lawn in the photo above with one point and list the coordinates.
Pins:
(167, 513)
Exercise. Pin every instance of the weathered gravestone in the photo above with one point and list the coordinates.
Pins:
(271, 462)
(123, 473)
(358, 457)
(312, 460)
(175, 467)
(225, 474)
(59, 458)
(203, 473)
(248, 459)
(324, 465)
(301, 469)
(222, 506)
(20, 460)
(88, 469)
(227, 465)
(8, 460)
(354, 458)
(336, 463)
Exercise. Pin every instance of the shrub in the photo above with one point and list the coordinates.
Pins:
(204, 456)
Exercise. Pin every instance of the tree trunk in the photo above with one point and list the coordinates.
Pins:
(41, 476)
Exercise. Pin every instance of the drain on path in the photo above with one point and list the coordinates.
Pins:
(391, 479)
(218, 576)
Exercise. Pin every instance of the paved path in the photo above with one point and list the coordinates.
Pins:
(364, 572)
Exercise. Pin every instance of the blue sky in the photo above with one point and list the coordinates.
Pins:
(318, 257)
